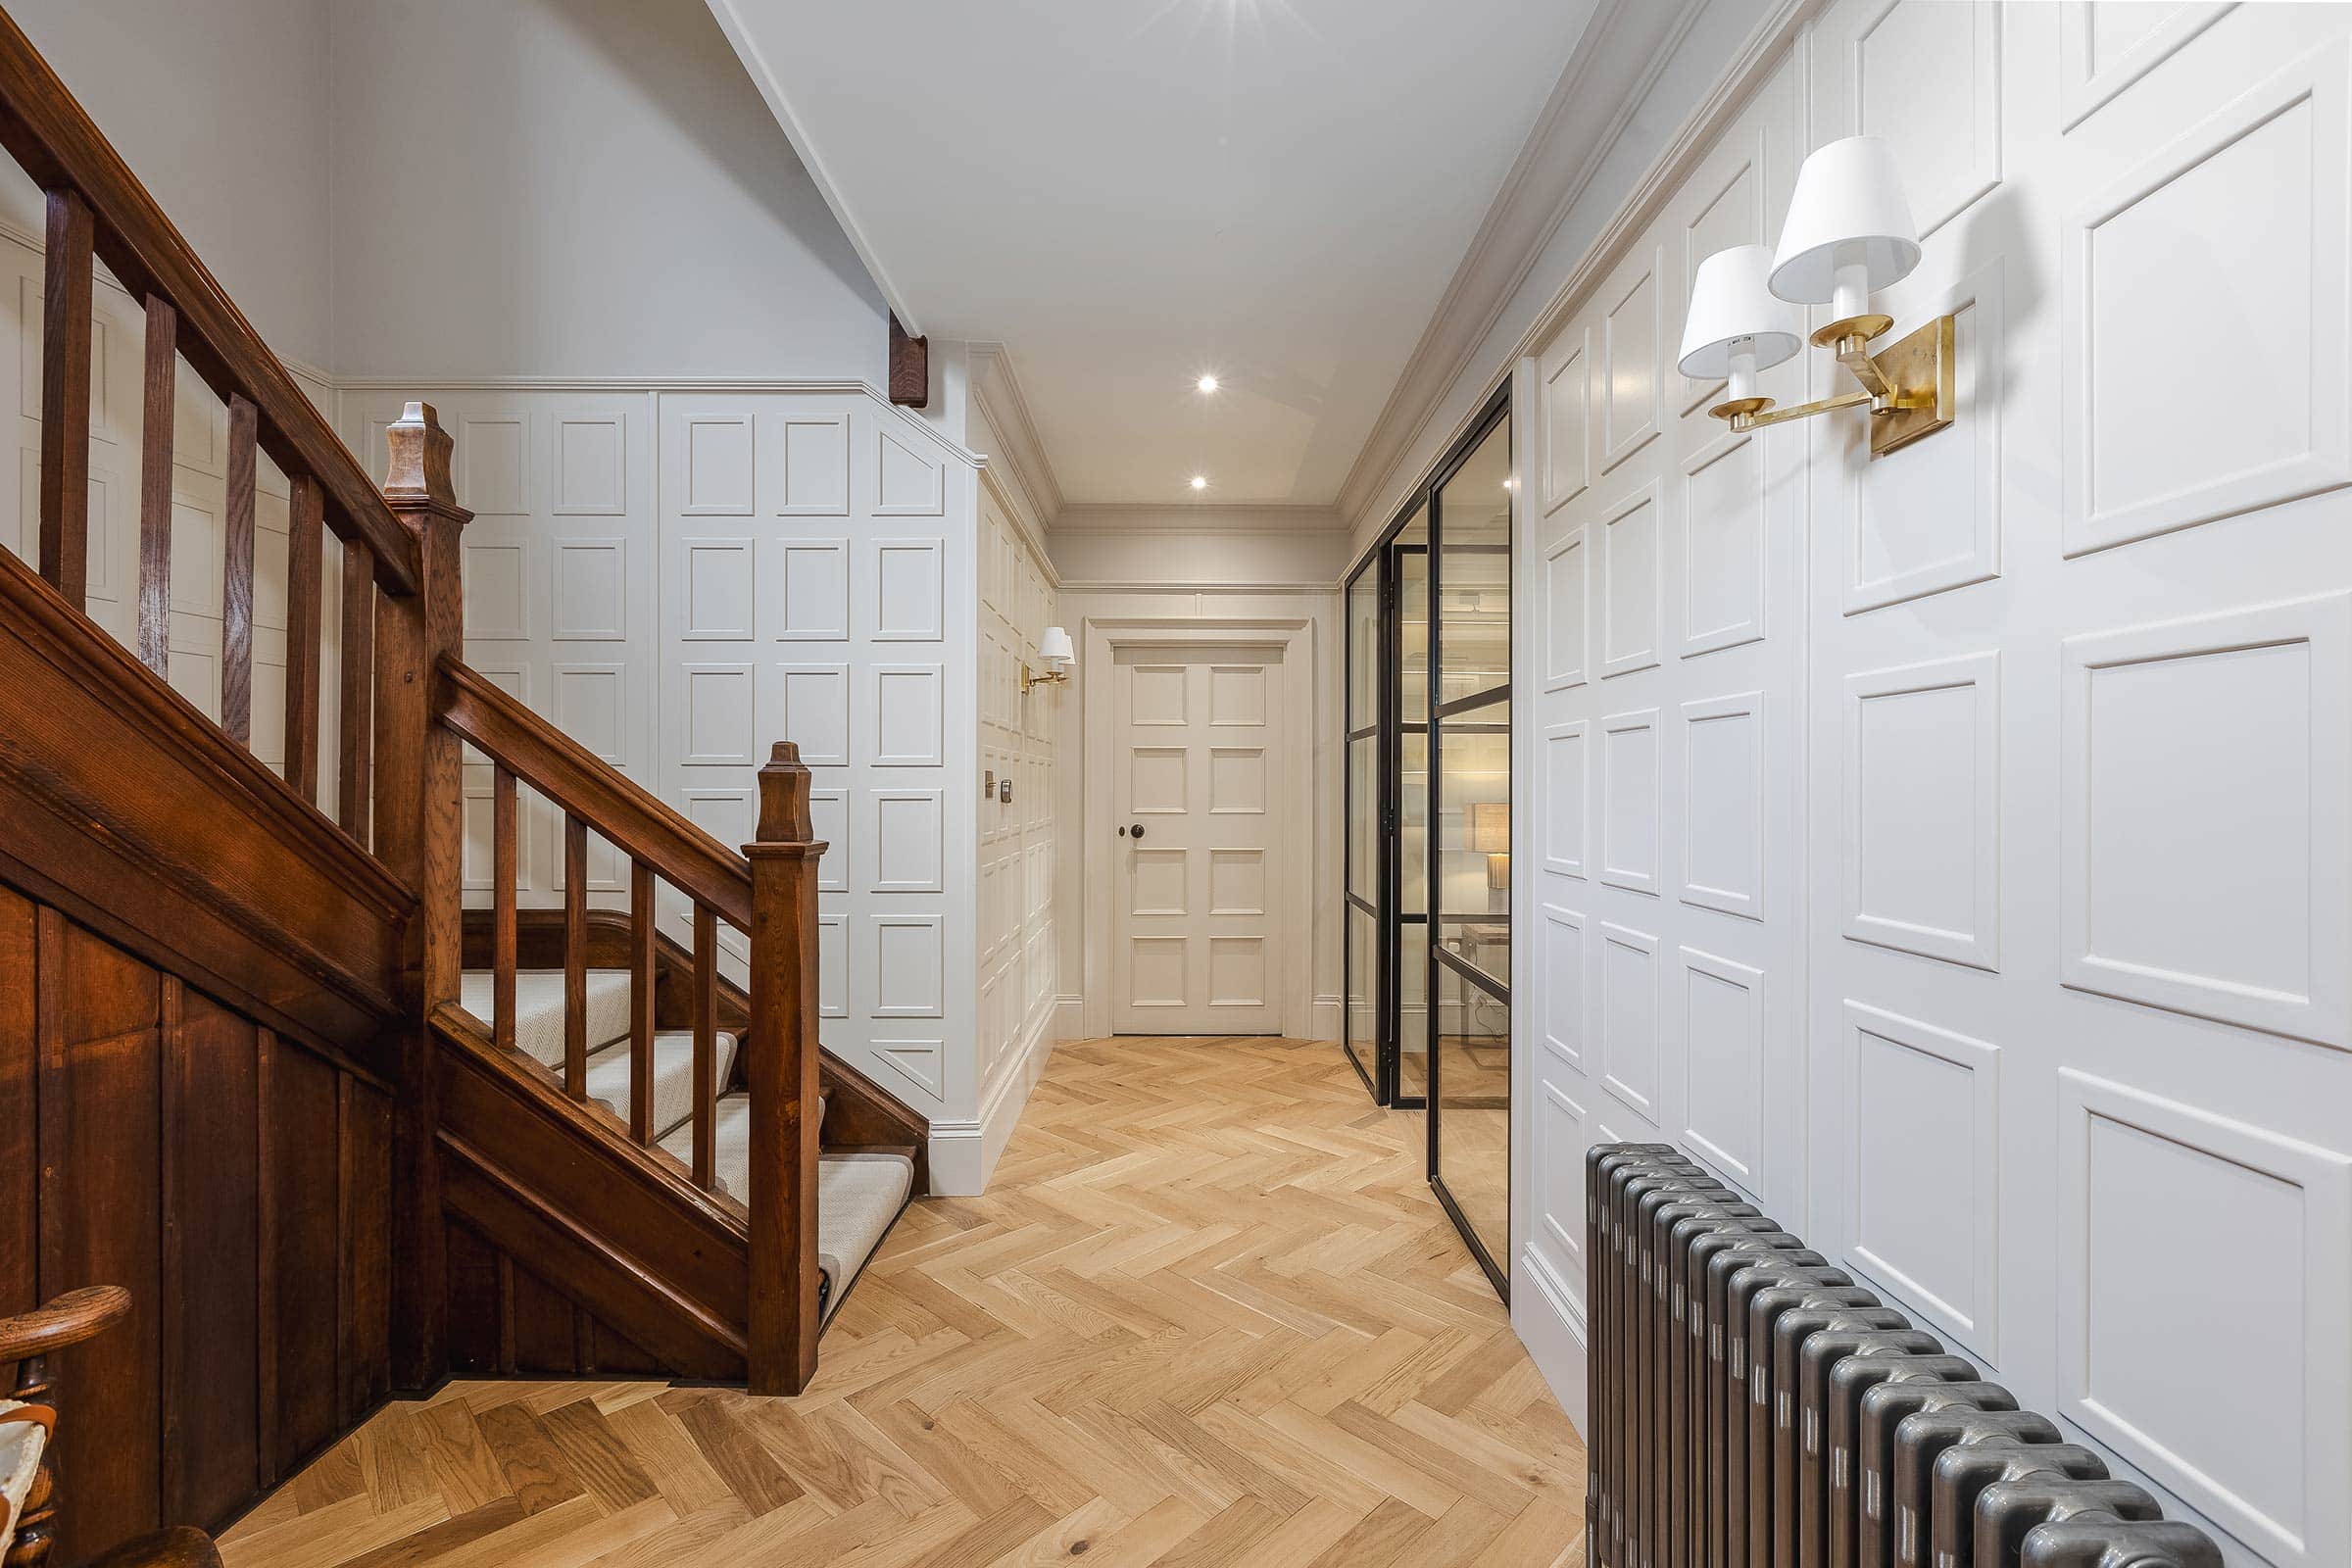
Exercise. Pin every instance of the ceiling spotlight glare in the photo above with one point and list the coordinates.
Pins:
(1209, 383)
(1200, 481)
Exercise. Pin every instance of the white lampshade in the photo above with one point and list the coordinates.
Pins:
(1055, 648)
(1732, 312)
(1849, 229)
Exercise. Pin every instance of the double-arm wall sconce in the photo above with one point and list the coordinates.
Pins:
(1848, 234)
(1054, 650)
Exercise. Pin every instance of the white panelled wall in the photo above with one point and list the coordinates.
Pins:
(1955, 850)
(1014, 911)
(678, 576)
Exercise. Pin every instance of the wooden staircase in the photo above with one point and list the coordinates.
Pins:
(561, 1142)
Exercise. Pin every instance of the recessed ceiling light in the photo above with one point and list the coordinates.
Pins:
(1200, 481)
(1209, 383)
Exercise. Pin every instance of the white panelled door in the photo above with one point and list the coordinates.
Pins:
(1198, 946)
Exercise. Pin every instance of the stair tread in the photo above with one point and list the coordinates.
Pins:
(539, 1008)
(673, 1077)
(857, 1194)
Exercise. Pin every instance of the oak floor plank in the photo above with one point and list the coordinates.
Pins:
(1208, 1315)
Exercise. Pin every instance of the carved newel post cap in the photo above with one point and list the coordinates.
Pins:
(419, 465)
(784, 796)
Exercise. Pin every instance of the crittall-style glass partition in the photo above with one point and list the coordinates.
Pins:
(1469, 1023)
(1429, 821)
(1387, 814)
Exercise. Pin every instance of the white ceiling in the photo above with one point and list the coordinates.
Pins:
(1130, 194)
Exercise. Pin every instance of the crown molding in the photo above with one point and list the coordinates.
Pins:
(1735, 84)
(1019, 452)
(1604, 85)
(1127, 522)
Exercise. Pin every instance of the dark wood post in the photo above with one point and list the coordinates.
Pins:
(419, 836)
(783, 1075)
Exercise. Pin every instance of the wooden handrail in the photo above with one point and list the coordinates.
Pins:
(589, 788)
(55, 141)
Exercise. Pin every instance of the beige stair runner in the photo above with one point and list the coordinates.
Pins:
(859, 1193)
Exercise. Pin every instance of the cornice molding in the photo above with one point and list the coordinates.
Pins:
(1377, 485)
(1627, 44)
(996, 394)
(1128, 522)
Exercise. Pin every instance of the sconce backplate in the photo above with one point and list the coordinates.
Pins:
(1920, 368)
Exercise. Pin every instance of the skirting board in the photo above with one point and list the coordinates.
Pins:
(965, 1153)
(1328, 1019)
(1545, 1317)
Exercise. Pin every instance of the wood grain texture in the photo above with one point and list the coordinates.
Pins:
(156, 416)
(64, 496)
(135, 813)
(158, 1144)
(306, 561)
(237, 575)
(1209, 1316)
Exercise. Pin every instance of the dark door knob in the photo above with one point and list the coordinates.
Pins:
(1137, 830)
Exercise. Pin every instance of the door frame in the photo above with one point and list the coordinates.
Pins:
(1294, 788)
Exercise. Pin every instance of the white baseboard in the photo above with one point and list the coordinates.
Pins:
(965, 1153)
(1328, 1018)
(1549, 1321)
(1069, 1017)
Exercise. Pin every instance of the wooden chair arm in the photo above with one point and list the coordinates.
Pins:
(67, 1319)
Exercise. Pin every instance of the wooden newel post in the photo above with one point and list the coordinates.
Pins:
(783, 1074)
(420, 838)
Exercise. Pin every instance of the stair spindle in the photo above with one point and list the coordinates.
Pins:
(236, 591)
(306, 560)
(156, 416)
(575, 957)
(67, 280)
(641, 1002)
(705, 1045)
(502, 893)
(356, 719)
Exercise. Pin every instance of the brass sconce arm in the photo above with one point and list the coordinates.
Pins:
(1906, 386)
(1030, 678)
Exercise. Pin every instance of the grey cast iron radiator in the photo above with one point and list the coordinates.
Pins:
(1749, 1407)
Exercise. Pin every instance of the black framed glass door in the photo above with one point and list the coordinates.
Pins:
(1469, 970)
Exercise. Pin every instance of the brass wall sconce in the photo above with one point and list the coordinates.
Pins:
(1848, 234)
(1055, 651)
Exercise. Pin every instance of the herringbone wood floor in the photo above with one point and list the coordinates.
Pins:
(1208, 1314)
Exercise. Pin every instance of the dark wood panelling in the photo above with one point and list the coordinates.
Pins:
(305, 1197)
(20, 1287)
(131, 811)
(507, 1320)
(210, 1449)
(235, 1182)
(100, 1112)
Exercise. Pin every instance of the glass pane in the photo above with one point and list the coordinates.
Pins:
(1474, 571)
(1364, 987)
(1474, 860)
(1474, 1108)
(1412, 823)
(1412, 620)
(1363, 650)
(1412, 1008)
(1363, 818)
